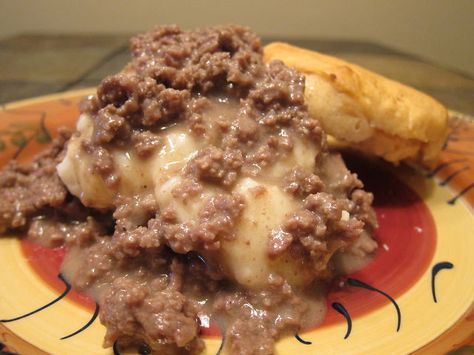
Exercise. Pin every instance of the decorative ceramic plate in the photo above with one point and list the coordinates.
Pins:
(416, 296)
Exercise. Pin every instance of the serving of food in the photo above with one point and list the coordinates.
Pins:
(199, 189)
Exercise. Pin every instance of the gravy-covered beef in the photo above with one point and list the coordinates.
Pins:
(29, 191)
(207, 193)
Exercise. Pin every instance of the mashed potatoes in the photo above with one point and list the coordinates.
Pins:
(244, 258)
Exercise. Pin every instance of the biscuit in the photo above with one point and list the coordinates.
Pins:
(370, 112)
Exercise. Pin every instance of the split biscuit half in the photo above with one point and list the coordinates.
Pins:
(366, 110)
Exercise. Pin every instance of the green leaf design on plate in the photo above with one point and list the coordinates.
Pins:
(20, 134)
(18, 139)
(43, 137)
(465, 350)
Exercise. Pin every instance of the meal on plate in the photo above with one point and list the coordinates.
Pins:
(198, 187)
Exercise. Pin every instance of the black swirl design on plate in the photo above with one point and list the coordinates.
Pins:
(454, 138)
(443, 166)
(4, 351)
(458, 144)
(66, 291)
(221, 347)
(358, 283)
(434, 271)
(115, 348)
(342, 310)
(302, 341)
(223, 339)
(463, 191)
(143, 349)
(87, 325)
(453, 175)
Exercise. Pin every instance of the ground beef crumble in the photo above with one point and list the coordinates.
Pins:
(160, 315)
(27, 191)
(156, 266)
